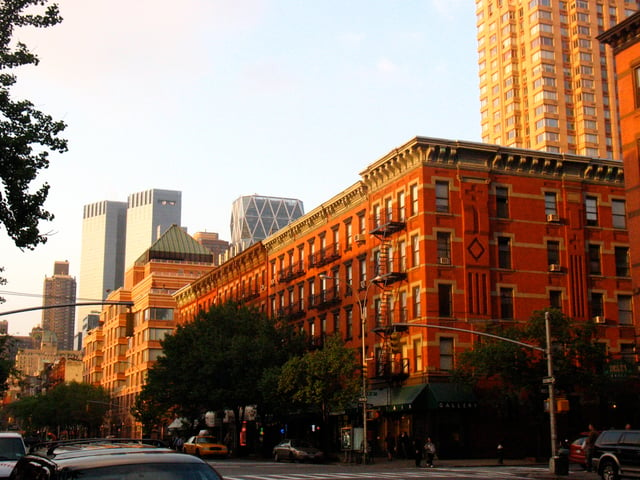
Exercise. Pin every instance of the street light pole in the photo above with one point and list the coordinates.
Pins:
(362, 304)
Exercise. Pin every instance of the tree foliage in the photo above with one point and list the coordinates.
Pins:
(225, 359)
(578, 359)
(73, 407)
(7, 365)
(322, 380)
(27, 136)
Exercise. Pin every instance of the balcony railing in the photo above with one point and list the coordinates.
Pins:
(325, 298)
(291, 272)
(391, 368)
(390, 270)
(387, 222)
(327, 255)
(292, 312)
(388, 318)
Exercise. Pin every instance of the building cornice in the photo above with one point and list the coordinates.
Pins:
(624, 34)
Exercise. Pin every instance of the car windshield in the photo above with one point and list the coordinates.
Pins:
(145, 471)
(11, 448)
(205, 440)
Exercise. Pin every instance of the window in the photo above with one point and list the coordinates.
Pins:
(402, 214)
(591, 210)
(445, 307)
(622, 261)
(446, 353)
(442, 197)
(553, 252)
(504, 252)
(413, 195)
(158, 314)
(502, 202)
(363, 270)
(555, 299)
(415, 251)
(618, 213)
(444, 247)
(349, 325)
(348, 234)
(593, 254)
(625, 310)
(402, 255)
(417, 356)
(636, 76)
(597, 304)
(417, 311)
(550, 203)
(506, 303)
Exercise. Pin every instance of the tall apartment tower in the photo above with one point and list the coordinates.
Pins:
(545, 81)
(60, 289)
(149, 214)
(102, 255)
(255, 217)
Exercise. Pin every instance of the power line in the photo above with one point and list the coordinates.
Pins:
(40, 295)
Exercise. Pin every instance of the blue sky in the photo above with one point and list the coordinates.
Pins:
(223, 98)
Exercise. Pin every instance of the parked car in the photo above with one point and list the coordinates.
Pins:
(616, 454)
(577, 453)
(205, 446)
(12, 448)
(124, 459)
(297, 451)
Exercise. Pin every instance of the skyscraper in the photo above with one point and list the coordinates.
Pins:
(149, 214)
(60, 289)
(102, 255)
(254, 217)
(545, 81)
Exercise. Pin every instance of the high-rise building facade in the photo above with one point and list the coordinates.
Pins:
(102, 254)
(545, 81)
(254, 217)
(60, 289)
(149, 214)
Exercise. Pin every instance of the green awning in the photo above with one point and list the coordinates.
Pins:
(395, 399)
(450, 396)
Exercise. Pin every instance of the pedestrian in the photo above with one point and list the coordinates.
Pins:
(404, 445)
(390, 443)
(429, 452)
(417, 452)
(588, 446)
(500, 454)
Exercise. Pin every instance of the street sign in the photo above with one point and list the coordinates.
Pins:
(548, 380)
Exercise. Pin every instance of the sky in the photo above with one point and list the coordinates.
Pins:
(224, 98)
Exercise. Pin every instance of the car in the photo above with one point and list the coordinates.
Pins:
(12, 448)
(296, 450)
(577, 452)
(115, 458)
(616, 454)
(205, 446)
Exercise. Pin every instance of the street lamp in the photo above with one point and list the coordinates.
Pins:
(362, 304)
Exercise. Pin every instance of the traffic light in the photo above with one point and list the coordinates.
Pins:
(395, 342)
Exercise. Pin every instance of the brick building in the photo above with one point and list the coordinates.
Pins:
(444, 233)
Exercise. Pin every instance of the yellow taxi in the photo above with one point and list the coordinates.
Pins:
(205, 446)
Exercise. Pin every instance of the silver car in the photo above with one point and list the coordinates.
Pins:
(297, 451)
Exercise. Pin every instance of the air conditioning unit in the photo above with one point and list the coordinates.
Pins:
(360, 238)
(444, 260)
(554, 267)
(599, 319)
(552, 217)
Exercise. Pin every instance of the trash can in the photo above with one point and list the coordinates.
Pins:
(561, 462)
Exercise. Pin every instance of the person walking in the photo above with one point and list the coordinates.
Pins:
(390, 443)
(500, 453)
(429, 452)
(588, 446)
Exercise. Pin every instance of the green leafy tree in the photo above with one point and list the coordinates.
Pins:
(73, 406)
(7, 364)
(221, 360)
(322, 380)
(27, 135)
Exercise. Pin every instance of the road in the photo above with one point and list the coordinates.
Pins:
(265, 470)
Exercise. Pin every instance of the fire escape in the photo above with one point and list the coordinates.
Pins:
(389, 270)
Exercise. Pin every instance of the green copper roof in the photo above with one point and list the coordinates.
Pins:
(177, 245)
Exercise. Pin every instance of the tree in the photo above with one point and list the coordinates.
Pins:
(72, 407)
(7, 365)
(323, 380)
(221, 360)
(27, 136)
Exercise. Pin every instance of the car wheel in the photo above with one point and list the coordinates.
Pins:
(609, 471)
(276, 457)
(197, 452)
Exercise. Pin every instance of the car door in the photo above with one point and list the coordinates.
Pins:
(629, 452)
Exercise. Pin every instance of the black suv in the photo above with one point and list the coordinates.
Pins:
(100, 459)
(616, 454)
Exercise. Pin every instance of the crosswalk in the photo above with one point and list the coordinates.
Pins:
(513, 473)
